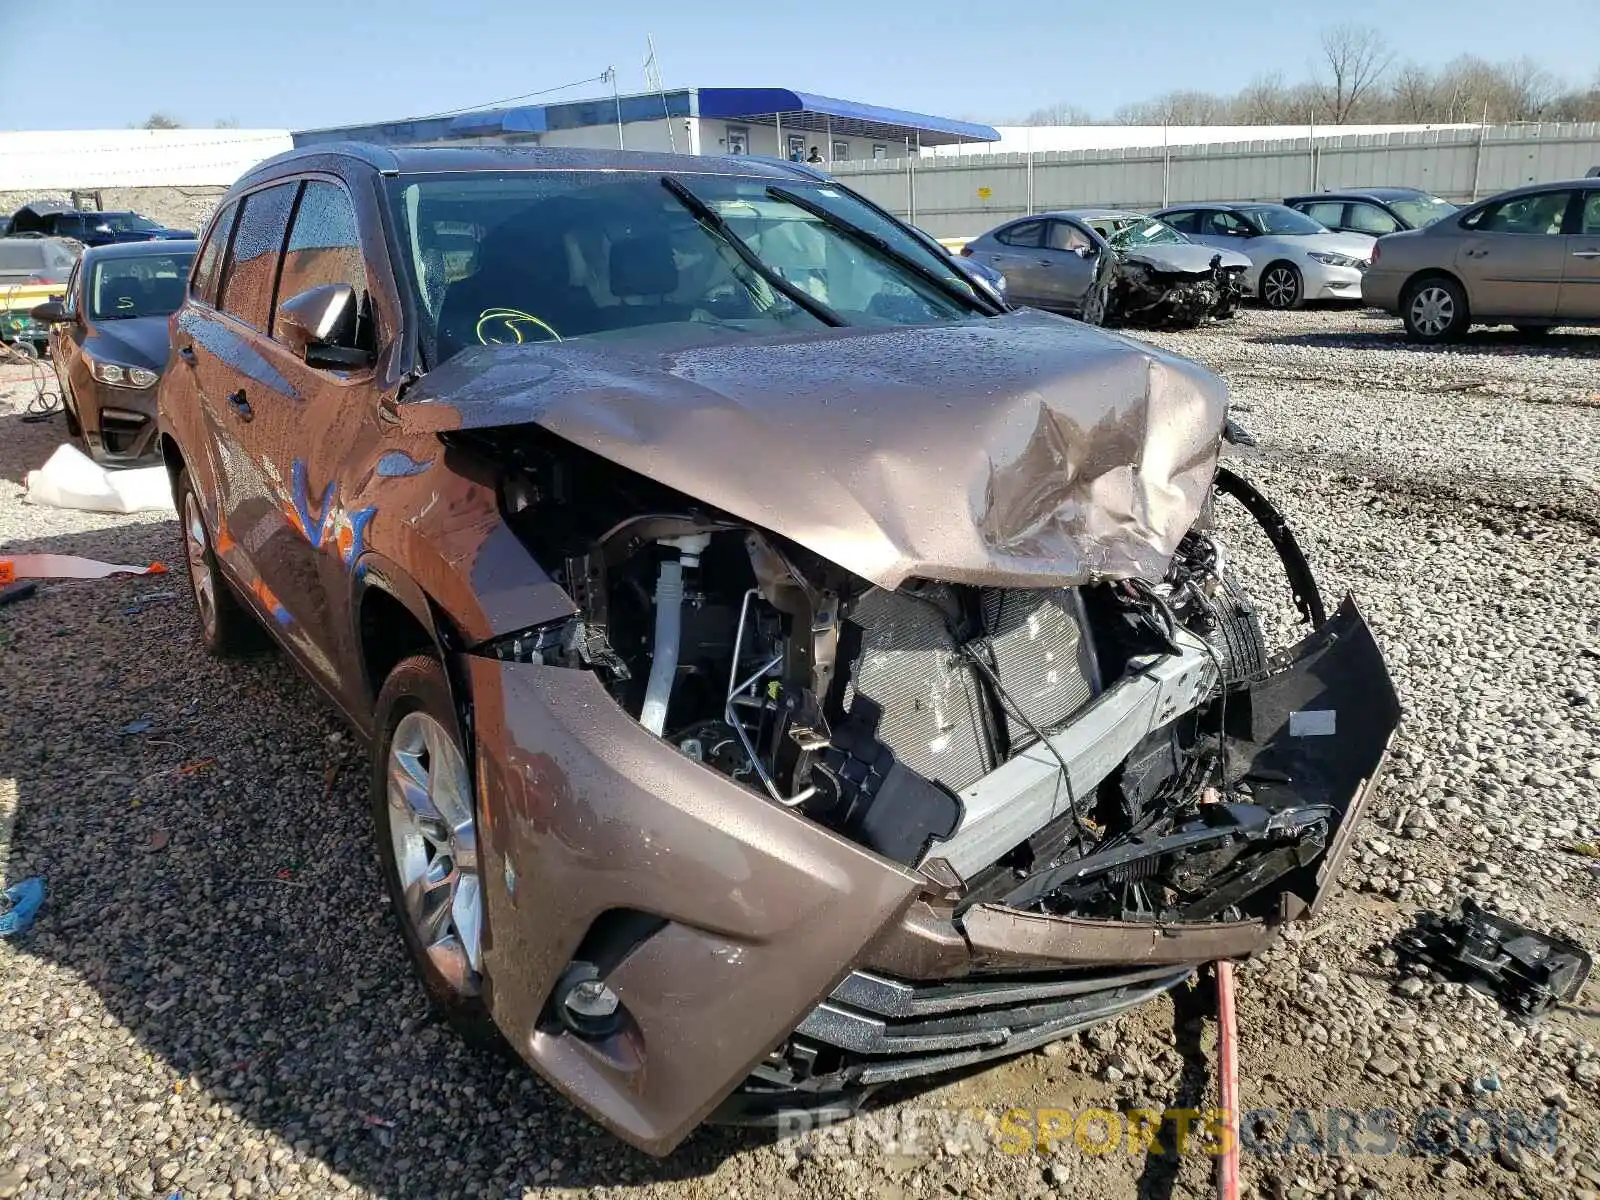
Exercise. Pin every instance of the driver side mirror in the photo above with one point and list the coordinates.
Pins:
(50, 313)
(1088, 251)
(319, 326)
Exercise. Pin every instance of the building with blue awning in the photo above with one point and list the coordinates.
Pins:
(767, 121)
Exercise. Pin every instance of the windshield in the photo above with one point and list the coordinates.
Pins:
(1278, 219)
(1418, 211)
(151, 285)
(556, 255)
(1129, 233)
(125, 222)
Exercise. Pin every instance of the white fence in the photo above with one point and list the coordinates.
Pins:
(963, 196)
(133, 158)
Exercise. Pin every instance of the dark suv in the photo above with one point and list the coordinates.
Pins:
(787, 671)
(90, 227)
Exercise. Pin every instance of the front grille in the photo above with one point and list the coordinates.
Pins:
(920, 697)
(874, 1030)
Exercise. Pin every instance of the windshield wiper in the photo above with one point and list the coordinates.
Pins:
(950, 287)
(712, 220)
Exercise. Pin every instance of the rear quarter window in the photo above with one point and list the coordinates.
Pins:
(1028, 234)
(208, 265)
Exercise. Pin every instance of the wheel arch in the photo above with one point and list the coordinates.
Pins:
(1278, 260)
(172, 458)
(394, 618)
(1423, 274)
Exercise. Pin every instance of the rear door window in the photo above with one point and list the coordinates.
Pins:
(324, 247)
(1327, 212)
(212, 253)
(1183, 222)
(251, 268)
(1026, 234)
(1369, 218)
(1227, 224)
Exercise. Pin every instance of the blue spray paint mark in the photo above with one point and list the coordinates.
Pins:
(358, 531)
(397, 464)
(301, 500)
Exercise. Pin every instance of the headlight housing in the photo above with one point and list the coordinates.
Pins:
(1330, 259)
(118, 375)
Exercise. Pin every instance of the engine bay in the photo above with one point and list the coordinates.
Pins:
(1093, 752)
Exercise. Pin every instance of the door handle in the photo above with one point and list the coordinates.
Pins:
(241, 405)
(1045, 262)
(187, 354)
(1586, 253)
(1477, 254)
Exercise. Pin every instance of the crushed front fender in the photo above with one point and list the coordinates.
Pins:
(750, 914)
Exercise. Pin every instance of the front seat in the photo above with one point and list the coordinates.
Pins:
(521, 270)
(643, 274)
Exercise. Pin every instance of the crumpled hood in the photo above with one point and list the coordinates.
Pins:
(1020, 450)
(1179, 256)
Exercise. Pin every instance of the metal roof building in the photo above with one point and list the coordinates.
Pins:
(769, 121)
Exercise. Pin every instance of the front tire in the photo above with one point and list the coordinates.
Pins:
(1282, 287)
(425, 825)
(1434, 310)
(225, 627)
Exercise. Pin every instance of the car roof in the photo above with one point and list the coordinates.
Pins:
(141, 249)
(1093, 214)
(420, 160)
(1376, 193)
(1551, 185)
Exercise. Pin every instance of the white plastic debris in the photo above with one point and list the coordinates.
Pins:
(70, 479)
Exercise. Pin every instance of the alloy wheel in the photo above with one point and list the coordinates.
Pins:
(435, 845)
(1280, 288)
(200, 578)
(1433, 310)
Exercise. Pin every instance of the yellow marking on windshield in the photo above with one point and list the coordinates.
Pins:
(512, 320)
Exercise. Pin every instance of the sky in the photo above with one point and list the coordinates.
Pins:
(305, 63)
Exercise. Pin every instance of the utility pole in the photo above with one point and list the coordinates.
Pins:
(616, 99)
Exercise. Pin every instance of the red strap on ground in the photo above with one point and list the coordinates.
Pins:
(1228, 1055)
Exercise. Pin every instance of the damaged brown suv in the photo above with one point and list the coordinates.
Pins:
(787, 671)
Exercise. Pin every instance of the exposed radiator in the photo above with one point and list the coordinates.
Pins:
(924, 697)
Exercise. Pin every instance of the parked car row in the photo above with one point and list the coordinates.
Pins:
(1181, 266)
(1529, 258)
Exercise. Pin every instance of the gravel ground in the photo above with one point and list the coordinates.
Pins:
(214, 1001)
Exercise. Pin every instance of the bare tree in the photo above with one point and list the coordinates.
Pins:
(1414, 95)
(1265, 100)
(1356, 56)
(1528, 89)
(161, 121)
(1059, 114)
(1173, 108)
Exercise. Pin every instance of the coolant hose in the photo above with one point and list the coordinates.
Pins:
(664, 660)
